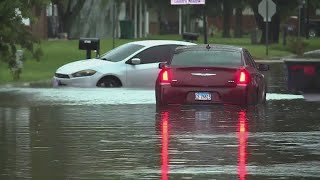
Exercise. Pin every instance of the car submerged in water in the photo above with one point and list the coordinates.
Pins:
(134, 64)
(210, 74)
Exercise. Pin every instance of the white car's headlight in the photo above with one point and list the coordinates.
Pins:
(83, 73)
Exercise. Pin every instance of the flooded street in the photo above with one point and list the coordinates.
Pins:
(73, 133)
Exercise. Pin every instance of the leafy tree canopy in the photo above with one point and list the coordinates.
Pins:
(13, 33)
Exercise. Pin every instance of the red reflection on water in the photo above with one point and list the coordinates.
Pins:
(164, 146)
(242, 138)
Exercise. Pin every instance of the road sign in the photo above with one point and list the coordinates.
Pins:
(184, 2)
(267, 8)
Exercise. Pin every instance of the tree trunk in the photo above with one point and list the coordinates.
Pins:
(275, 28)
(70, 14)
(60, 17)
(238, 28)
(227, 10)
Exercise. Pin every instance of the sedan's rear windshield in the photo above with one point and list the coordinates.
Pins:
(199, 58)
(121, 52)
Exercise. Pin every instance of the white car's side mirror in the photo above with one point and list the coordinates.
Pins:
(135, 61)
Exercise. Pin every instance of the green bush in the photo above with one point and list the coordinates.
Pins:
(297, 46)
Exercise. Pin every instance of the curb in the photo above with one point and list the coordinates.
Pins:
(38, 84)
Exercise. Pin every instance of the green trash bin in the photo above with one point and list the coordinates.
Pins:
(126, 29)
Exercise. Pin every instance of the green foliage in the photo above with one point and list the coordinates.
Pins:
(13, 32)
(314, 3)
(297, 46)
(37, 54)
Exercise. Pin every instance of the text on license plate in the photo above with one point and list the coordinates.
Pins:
(203, 96)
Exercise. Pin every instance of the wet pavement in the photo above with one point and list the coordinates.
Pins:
(72, 133)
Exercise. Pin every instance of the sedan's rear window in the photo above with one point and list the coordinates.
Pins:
(206, 58)
(121, 52)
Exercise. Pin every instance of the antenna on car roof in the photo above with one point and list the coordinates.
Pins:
(208, 46)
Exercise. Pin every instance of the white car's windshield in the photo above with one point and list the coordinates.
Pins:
(121, 52)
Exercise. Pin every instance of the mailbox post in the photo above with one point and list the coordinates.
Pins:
(90, 44)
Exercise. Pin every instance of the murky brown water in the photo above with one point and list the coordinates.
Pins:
(76, 134)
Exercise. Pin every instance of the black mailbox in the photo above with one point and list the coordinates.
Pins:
(90, 44)
(188, 36)
(303, 76)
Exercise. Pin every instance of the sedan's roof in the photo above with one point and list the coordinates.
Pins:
(149, 43)
(210, 47)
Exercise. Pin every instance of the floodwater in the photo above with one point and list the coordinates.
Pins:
(72, 133)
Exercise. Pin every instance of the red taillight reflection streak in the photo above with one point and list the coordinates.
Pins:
(164, 146)
(242, 147)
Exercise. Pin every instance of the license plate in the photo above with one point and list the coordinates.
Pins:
(202, 96)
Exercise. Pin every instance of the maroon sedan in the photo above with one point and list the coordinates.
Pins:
(211, 74)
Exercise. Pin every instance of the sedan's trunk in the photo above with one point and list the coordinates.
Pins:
(204, 76)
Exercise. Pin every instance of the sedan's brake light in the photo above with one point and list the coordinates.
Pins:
(165, 76)
(244, 77)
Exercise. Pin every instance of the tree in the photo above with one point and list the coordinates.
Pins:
(227, 13)
(13, 32)
(161, 7)
(67, 12)
(239, 6)
(284, 8)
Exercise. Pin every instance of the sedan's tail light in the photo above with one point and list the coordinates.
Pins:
(165, 76)
(243, 77)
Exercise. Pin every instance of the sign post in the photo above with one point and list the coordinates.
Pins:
(196, 2)
(267, 8)
(205, 31)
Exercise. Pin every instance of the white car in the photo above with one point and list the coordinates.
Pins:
(134, 64)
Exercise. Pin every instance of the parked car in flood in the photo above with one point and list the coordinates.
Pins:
(314, 28)
(311, 27)
(134, 64)
(209, 74)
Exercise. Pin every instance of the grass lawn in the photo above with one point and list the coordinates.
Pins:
(59, 52)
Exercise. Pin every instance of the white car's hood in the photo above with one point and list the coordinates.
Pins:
(76, 66)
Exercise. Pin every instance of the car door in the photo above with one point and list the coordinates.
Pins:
(145, 73)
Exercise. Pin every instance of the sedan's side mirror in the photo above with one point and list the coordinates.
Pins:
(162, 65)
(263, 67)
(135, 61)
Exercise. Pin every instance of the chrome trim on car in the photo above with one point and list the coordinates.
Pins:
(202, 74)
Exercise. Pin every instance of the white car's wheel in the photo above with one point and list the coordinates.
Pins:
(109, 82)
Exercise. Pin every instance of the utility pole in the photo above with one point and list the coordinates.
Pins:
(301, 7)
(267, 28)
(308, 19)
